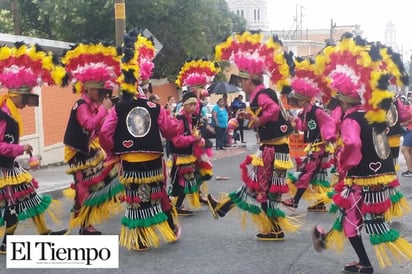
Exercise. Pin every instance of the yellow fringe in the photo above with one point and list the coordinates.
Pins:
(99, 157)
(2, 230)
(147, 235)
(206, 172)
(15, 180)
(54, 210)
(169, 163)
(335, 240)
(90, 216)
(397, 210)
(69, 193)
(194, 199)
(394, 141)
(279, 164)
(257, 160)
(290, 224)
(135, 180)
(400, 250)
(204, 188)
(185, 160)
(368, 181)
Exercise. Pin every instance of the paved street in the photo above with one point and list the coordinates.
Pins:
(222, 246)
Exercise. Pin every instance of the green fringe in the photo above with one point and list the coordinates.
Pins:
(276, 213)
(331, 194)
(192, 189)
(148, 222)
(338, 224)
(101, 199)
(1, 221)
(322, 183)
(333, 169)
(390, 236)
(333, 208)
(244, 206)
(396, 197)
(39, 209)
(292, 176)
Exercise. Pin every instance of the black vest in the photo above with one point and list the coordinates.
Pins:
(312, 131)
(396, 129)
(272, 130)
(137, 129)
(11, 136)
(182, 150)
(371, 164)
(76, 136)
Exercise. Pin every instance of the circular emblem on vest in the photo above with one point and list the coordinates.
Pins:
(138, 122)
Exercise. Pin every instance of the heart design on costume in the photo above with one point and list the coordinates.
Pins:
(375, 166)
(127, 143)
(283, 128)
(151, 104)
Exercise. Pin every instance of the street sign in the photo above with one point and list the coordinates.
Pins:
(158, 46)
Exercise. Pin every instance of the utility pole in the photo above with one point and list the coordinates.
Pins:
(14, 7)
(120, 20)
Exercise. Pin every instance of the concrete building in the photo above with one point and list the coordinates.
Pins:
(255, 12)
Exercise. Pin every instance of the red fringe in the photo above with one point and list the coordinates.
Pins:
(35, 183)
(187, 169)
(279, 189)
(341, 201)
(376, 208)
(394, 183)
(99, 178)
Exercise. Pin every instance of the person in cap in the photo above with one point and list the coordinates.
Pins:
(93, 68)
(319, 132)
(363, 195)
(184, 178)
(264, 184)
(148, 211)
(21, 69)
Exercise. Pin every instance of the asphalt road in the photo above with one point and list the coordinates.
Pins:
(223, 246)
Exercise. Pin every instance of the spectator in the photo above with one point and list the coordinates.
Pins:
(220, 121)
(406, 148)
(154, 98)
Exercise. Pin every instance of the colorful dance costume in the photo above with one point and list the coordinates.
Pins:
(97, 189)
(132, 132)
(319, 129)
(363, 196)
(398, 112)
(184, 177)
(263, 174)
(192, 165)
(21, 69)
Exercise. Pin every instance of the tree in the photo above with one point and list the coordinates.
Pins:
(186, 28)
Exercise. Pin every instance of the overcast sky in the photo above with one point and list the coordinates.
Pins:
(371, 15)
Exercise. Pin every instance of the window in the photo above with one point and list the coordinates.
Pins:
(256, 15)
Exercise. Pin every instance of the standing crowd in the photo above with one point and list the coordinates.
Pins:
(350, 116)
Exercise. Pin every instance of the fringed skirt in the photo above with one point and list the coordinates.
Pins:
(144, 221)
(368, 205)
(186, 179)
(19, 199)
(98, 191)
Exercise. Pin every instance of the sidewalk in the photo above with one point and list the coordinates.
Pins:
(53, 179)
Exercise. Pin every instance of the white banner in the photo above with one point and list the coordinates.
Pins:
(68, 251)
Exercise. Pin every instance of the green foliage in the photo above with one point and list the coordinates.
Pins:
(186, 28)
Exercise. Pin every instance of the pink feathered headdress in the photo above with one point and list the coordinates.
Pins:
(197, 73)
(93, 65)
(308, 82)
